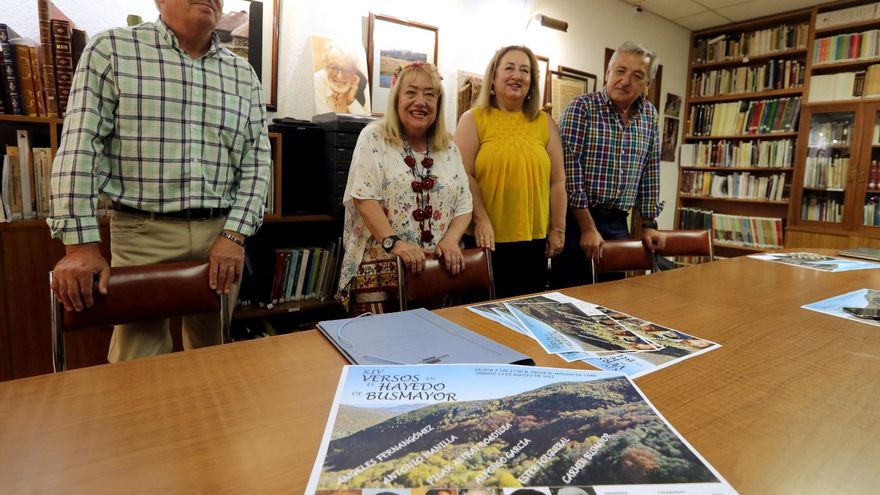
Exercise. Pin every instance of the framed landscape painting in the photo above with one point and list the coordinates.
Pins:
(247, 28)
(393, 43)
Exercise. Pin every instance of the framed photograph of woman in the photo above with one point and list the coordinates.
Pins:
(393, 43)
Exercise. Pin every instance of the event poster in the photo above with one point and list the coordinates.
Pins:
(605, 338)
(817, 261)
(408, 429)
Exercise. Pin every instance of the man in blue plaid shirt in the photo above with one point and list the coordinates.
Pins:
(170, 126)
(612, 164)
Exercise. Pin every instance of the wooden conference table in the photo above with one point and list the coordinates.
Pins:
(789, 404)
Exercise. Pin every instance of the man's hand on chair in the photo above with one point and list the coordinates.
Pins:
(226, 260)
(74, 276)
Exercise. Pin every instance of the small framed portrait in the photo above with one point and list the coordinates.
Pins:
(393, 43)
(339, 74)
(673, 105)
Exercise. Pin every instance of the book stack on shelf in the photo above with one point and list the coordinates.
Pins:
(740, 118)
(749, 232)
(36, 78)
(740, 185)
(738, 154)
(24, 191)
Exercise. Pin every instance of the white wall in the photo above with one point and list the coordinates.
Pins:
(469, 33)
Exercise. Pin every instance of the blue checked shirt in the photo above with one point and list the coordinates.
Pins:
(608, 164)
(154, 129)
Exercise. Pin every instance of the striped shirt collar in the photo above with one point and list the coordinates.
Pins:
(168, 35)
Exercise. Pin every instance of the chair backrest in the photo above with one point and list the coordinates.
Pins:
(435, 281)
(139, 293)
(622, 256)
(688, 243)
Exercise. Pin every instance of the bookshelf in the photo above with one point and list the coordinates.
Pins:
(27, 254)
(745, 89)
(836, 188)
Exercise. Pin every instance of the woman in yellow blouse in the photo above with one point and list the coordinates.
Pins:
(513, 157)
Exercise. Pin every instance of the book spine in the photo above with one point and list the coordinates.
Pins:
(62, 45)
(38, 81)
(27, 173)
(25, 80)
(10, 72)
(47, 58)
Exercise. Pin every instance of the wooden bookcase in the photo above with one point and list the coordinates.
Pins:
(823, 146)
(28, 253)
(734, 72)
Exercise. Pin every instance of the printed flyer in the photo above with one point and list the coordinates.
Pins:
(610, 340)
(817, 261)
(454, 428)
(861, 299)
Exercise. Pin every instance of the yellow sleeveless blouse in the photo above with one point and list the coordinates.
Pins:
(512, 168)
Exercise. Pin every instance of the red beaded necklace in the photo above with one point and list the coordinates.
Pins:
(422, 186)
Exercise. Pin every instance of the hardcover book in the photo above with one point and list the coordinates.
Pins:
(63, 51)
(10, 73)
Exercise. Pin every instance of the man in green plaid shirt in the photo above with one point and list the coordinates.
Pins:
(171, 127)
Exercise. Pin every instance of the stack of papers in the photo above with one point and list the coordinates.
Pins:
(816, 261)
(610, 340)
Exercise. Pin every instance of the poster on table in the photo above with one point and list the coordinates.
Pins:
(858, 299)
(418, 429)
(817, 261)
(608, 339)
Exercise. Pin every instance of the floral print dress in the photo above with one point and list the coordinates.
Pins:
(378, 172)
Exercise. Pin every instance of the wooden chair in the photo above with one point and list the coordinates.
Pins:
(622, 256)
(435, 282)
(140, 293)
(688, 243)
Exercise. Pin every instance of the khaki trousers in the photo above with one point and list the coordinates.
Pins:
(140, 240)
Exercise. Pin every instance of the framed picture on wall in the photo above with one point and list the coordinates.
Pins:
(393, 43)
(544, 90)
(567, 84)
(250, 29)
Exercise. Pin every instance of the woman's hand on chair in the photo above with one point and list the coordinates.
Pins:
(451, 254)
(412, 256)
(484, 234)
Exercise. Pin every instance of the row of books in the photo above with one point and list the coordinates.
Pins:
(734, 46)
(742, 185)
(776, 153)
(871, 213)
(821, 209)
(36, 78)
(297, 274)
(690, 218)
(849, 15)
(848, 46)
(823, 171)
(24, 188)
(775, 74)
(745, 117)
(845, 85)
(830, 132)
(745, 231)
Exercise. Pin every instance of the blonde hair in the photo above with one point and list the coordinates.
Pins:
(392, 131)
(531, 106)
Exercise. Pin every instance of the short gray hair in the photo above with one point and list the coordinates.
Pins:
(633, 47)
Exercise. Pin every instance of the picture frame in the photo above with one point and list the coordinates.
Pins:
(544, 66)
(262, 26)
(392, 42)
(565, 85)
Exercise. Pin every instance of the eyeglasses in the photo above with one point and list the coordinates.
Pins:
(340, 69)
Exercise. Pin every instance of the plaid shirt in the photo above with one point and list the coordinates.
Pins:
(154, 129)
(609, 164)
